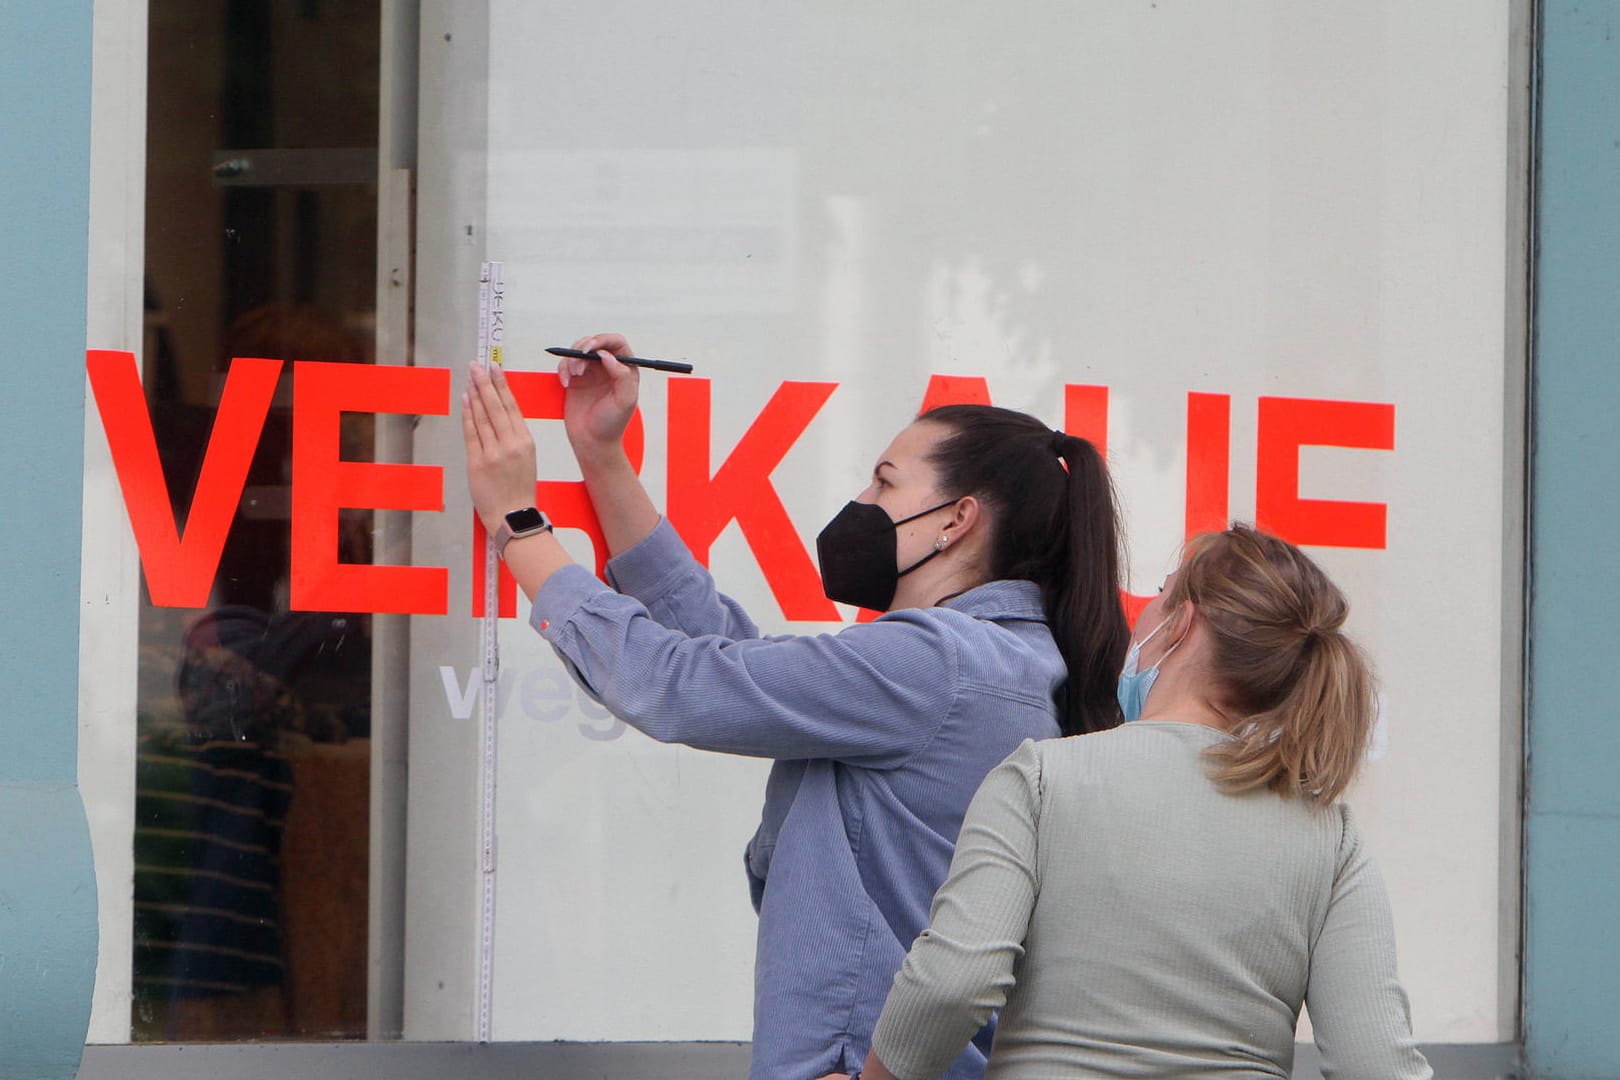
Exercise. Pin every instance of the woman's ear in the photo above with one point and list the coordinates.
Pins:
(964, 519)
(1182, 623)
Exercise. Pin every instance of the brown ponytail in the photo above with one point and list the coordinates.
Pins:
(1054, 523)
(1301, 692)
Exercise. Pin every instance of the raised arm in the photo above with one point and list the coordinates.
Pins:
(960, 969)
(501, 474)
(1359, 1012)
(677, 590)
(501, 471)
(873, 694)
(600, 398)
(649, 561)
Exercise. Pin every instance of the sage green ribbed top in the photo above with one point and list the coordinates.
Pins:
(1130, 919)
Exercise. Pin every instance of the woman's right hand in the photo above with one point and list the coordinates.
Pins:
(600, 395)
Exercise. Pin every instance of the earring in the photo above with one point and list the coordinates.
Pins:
(939, 545)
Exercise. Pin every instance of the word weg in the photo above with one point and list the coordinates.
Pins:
(699, 501)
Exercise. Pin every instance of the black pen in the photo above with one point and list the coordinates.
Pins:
(634, 361)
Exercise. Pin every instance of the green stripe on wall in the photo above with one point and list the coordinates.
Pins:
(1572, 824)
(47, 882)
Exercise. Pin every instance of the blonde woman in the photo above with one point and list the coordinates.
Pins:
(1160, 899)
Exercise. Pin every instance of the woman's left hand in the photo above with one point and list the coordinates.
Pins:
(500, 451)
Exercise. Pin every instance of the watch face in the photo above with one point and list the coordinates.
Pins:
(526, 520)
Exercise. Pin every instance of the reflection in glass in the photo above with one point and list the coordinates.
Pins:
(254, 721)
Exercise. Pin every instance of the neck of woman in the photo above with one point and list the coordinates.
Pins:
(931, 584)
(1186, 701)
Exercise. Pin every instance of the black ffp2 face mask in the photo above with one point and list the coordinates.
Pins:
(859, 555)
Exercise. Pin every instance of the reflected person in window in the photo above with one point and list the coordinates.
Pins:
(1159, 900)
(991, 543)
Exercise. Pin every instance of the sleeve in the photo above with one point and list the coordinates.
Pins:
(960, 968)
(872, 695)
(677, 591)
(1359, 1012)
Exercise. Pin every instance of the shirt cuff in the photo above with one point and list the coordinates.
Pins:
(561, 597)
(647, 568)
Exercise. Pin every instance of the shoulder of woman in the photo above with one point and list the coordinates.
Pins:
(1352, 849)
(1074, 761)
(904, 644)
(1036, 758)
(935, 626)
(1020, 769)
(960, 624)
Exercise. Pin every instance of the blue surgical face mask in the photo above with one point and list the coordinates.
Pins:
(1134, 685)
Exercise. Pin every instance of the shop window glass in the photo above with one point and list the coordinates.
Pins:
(253, 763)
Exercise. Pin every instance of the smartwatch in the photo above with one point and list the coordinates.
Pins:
(518, 523)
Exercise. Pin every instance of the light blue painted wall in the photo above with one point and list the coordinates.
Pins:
(47, 881)
(1572, 832)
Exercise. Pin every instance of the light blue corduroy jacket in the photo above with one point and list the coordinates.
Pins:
(881, 734)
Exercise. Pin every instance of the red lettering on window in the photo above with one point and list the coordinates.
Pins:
(1209, 462)
(322, 484)
(180, 568)
(540, 396)
(700, 506)
(1085, 413)
(1285, 425)
(954, 390)
(180, 563)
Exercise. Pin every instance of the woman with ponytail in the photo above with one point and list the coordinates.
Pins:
(989, 543)
(1161, 899)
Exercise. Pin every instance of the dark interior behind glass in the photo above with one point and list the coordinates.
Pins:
(253, 766)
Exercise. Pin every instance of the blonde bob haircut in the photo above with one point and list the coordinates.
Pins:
(1299, 691)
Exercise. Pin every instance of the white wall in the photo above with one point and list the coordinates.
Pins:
(1304, 200)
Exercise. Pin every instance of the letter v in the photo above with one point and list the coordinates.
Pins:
(180, 569)
(461, 701)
